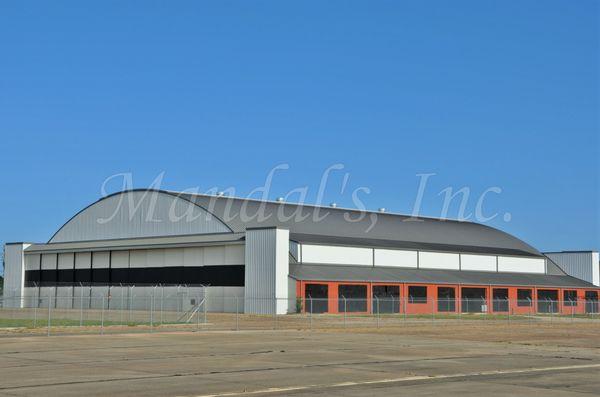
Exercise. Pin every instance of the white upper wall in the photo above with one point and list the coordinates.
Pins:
(359, 256)
(138, 214)
(439, 260)
(485, 263)
(333, 255)
(515, 264)
(396, 258)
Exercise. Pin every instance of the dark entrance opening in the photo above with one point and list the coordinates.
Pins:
(352, 298)
(473, 300)
(591, 301)
(547, 301)
(386, 299)
(446, 299)
(500, 299)
(316, 298)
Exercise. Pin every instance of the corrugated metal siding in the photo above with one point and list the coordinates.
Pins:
(14, 271)
(266, 258)
(578, 264)
(138, 214)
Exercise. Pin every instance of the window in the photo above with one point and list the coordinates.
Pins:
(500, 299)
(570, 297)
(446, 299)
(547, 300)
(386, 299)
(316, 298)
(473, 300)
(524, 297)
(591, 302)
(352, 298)
(417, 294)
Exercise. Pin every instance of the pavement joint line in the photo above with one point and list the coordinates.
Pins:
(398, 380)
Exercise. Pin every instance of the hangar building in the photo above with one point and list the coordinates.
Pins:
(271, 251)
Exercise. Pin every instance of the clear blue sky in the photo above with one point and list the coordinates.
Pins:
(481, 93)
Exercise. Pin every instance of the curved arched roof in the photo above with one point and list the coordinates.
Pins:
(138, 213)
(223, 214)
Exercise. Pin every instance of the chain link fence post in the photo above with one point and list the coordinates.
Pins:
(345, 309)
(237, 314)
(102, 317)
(197, 314)
(162, 300)
(311, 312)
(205, 308)
(377, 303)
(81, 305)
(49, 314)
(122, 305)
(274, 313)
(151, 312)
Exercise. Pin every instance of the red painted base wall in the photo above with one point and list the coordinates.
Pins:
(432, 296)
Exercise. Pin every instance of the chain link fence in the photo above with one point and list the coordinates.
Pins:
(158, 308)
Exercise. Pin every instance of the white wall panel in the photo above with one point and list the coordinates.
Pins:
(49, 261)
(32, 262)
(193, 257)
(47, 294)
(99, 297)
(329, 254)
(119, 260)
(485, 263)
(83, 260)
(174, 257)
(155, 258)
(234, 254)
(64, 297)
(31, 296)
(81, 297)
(438, 260)
(100, 260)
(395, 258)
(66, 260)
(137, 258)
(214, 255)
(521, 265)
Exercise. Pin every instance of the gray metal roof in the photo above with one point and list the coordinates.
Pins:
(401, 275)
(345, 227)
(309, 223)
